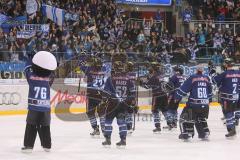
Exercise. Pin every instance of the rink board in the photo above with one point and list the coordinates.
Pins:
(14, 93)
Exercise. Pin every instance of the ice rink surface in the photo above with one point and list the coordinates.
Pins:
(71, 141)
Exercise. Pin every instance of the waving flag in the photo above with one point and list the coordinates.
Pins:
(55, 14)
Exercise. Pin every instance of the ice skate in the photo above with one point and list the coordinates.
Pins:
(95, 133)
(121, 143)
(47, 149)
(169, 127)
(157, 130)
(27, 149)
(107, 142)
(205, 137)
(184, 137)
(231, 134)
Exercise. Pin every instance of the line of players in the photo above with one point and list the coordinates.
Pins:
(115, 96)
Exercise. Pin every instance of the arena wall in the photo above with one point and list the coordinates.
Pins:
(64, 97)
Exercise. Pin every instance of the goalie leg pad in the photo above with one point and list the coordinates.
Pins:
(186, 122)
(202, 128)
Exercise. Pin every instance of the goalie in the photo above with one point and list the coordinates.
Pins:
(197, 107)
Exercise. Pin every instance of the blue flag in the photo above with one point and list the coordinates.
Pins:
(57, 15)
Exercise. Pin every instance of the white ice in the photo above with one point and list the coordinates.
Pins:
(71, 141)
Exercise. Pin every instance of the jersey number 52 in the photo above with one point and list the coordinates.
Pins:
(121, 91)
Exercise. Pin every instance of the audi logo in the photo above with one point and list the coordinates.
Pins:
(10, 98)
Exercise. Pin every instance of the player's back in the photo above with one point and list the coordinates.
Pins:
(201, 87)
(95, 78)
(229, 84)
(122, 84)
(156, 82)
(39, 91)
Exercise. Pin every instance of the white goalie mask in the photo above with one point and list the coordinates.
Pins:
(45, 60)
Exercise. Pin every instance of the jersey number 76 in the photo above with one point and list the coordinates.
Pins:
(40, 91)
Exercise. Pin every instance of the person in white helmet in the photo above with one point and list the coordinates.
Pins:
(39, 75)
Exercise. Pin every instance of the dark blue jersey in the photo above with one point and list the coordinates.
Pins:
(39, 90)
(176, 81)
(95, 78)
(120, 87)
(199, 87)
(156, 82)
(228, 83)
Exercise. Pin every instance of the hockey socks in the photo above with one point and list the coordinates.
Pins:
(102, 123)
(156, 118)
(122, 127)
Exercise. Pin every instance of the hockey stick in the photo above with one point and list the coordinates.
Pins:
(134, 121)
(79, 84)
(134, 114)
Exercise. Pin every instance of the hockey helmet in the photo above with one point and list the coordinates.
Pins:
(45, 60)
(97, 62)
(118, 66)
(178, 69)
(130, 66)
(156, 66)
(229, 62)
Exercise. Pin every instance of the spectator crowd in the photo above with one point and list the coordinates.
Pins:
(97, 26)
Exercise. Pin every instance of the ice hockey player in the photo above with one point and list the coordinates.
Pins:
(39, 75)
(96, 77)
(120, 88)
(197, 107)
(159, 95)
(175, 81)
(133, 109)
(228, 83)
